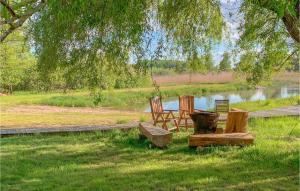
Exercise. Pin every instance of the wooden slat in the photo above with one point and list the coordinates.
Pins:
(221, 139)
(222, 106)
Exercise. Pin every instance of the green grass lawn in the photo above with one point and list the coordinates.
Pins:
(117, 160)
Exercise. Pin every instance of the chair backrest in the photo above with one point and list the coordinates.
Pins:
(186, 103)
(156, 106)
(222, 106)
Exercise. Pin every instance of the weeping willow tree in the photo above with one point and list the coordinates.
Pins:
(270, 37)
(99, 37)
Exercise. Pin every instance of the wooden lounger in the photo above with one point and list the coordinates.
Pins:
(158, 136)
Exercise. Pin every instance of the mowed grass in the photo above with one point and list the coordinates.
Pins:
(120, 99)
(59, 119)
(118, 160)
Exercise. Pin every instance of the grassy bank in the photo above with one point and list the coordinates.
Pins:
(267, 104)
(121, 99)
(119, 161)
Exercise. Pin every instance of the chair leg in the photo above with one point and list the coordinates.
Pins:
(180, 118)
(185, 121)
(186, 124)
(176, 124)
(164, 126)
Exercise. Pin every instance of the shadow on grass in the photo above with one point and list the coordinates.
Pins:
(118, 160)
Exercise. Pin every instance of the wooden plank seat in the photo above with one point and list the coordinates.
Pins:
(239, 139)
(158, 136)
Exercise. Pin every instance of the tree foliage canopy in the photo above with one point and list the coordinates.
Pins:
(271, 33)
(96, 37)
(106, 33)
(15, 61)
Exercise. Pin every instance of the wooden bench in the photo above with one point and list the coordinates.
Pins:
(202, 140)
(158, 136)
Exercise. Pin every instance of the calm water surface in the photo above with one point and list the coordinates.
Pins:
(208, 101)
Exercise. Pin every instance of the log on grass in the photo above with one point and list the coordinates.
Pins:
(202, 140)
(158, 136)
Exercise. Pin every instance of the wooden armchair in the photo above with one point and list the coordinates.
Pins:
(160, 115)
(186, 107)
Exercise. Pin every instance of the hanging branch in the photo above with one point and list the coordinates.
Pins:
(285, 60)
(10, 10)
(156, 55)
(16, 20)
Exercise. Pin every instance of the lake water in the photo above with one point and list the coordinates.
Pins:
(208, 101)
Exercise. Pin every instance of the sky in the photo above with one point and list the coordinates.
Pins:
(233, 19)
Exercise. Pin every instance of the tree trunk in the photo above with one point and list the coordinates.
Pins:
(292, 26)
(10, 89)
(237, 121)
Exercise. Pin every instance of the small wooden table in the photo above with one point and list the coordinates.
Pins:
(204, 122)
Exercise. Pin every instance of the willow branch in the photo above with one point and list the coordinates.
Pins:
(10, 10)
(16, 22)
(286, 59)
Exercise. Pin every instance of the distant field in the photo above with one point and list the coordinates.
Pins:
(288, 77)
(222, 77)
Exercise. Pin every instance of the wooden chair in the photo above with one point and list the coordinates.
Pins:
(186, 107)
(222, 108)
(159, 115)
